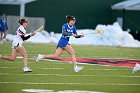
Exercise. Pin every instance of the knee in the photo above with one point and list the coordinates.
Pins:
(72, 53)
(24, 55)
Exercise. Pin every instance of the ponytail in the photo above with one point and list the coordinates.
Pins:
(21, 21)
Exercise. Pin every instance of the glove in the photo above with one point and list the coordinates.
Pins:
(79, 36)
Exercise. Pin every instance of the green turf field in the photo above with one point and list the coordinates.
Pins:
(59, 76)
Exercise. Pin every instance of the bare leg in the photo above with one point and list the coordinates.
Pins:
(12, 57)
(70, 50)
(4, 35)
(23, 52)
(0, 35)
(58, 52)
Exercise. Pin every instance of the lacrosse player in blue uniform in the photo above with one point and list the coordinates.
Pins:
(3, 28)
(68, 30)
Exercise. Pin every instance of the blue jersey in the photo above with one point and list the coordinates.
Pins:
(3, 24)
(67, 31)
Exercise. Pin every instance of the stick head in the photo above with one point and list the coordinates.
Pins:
(99, 32)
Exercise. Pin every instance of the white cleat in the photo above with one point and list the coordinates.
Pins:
(77, 68)
(136, 68)
(26, 69)
(39, 57)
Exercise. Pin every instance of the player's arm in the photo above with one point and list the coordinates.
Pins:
(0, 22)
(22, 35)
(76, 35)
(6, 25)
(25, 37)
(65, 33)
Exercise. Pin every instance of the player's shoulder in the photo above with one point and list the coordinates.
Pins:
(74, 26)
(21, 28)
(65, 24)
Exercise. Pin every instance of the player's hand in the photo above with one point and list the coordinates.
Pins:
(32, 34)
(79, 36)
(74, 35)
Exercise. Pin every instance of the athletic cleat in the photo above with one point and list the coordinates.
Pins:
(26, 69)
(77, 68)
(40, 57)
(136, 68)
(0, 56)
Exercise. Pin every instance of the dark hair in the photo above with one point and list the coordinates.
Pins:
(21, 21)
(68, 17)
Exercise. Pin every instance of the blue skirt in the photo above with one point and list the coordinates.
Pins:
(63, 42)
(3, 29)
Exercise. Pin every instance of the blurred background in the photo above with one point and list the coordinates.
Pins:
(89, 14)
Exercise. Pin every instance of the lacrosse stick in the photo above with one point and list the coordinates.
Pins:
(96, 32)
(39, 29)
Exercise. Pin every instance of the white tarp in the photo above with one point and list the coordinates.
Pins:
(113, 36)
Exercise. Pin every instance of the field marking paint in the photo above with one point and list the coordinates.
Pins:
(64, 68)
(64, 75)
(9, 67)
(52, 91)
(32, 68)
(93, 57)
(47, 83)
(62, 62)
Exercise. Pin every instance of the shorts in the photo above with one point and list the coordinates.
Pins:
(61, 46)
(16, 45)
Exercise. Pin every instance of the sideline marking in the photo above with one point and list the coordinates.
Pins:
(104, 69)
(47, 83)
(64, 75)
(33, 68)
(62, 62)
(52, 91)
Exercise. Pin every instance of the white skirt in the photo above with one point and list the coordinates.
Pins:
(16, 45)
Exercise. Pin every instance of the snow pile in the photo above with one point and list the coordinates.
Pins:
(113, 36)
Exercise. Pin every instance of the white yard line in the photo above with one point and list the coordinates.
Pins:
(47, 83)
(52, 91)
(66, 75)
(63, 69)
(32, 68)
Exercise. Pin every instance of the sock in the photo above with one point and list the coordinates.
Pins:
(43, 56)
(75, 66)
(139, 66)
(25, 67)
